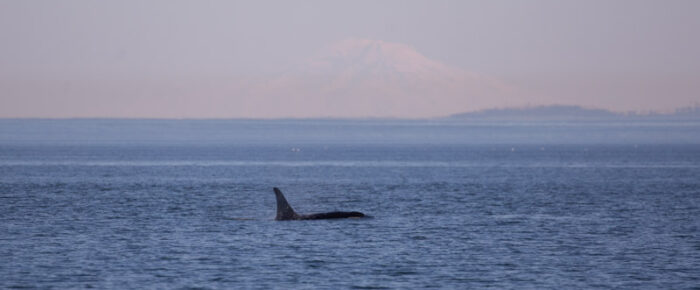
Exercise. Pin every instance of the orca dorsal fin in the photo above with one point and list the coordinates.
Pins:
(284, 210)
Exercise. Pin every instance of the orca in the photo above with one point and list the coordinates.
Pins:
(285, 211)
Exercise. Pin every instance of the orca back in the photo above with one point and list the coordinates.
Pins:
(286, 212)
(333, 215)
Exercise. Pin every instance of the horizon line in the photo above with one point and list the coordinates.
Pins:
(695, 107)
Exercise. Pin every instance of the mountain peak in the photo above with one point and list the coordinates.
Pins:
(373, 78)
(369, 48)
(378, 55)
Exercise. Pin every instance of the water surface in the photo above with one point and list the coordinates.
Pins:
(177, 203)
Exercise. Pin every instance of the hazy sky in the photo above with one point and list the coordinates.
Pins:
(200, 58)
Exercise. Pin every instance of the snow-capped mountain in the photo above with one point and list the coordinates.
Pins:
(372, 78)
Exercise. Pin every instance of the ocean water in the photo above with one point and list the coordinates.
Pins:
(189, 204)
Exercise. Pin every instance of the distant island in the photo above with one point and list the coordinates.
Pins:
(574, 113)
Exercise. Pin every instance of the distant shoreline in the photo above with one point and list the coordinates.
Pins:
(574, 113)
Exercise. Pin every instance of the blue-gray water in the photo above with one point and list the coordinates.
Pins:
(170, 204)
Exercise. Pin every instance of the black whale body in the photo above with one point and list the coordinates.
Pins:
(285, 211)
